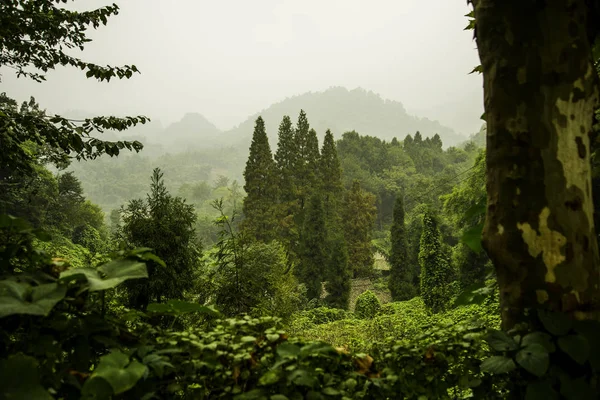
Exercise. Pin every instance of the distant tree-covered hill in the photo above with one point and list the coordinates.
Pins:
(343, 110)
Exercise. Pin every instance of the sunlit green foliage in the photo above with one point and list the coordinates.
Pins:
(367, 305)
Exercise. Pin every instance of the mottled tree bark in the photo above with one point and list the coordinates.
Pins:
(540, 91)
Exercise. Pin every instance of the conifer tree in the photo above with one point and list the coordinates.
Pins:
(313, 250)
(358, 219)
(338, 275)
(261, 187)
(165, 224)
(436, 273)
(330, 174)
(312, 163)
(401, 278)
(285, 159)
(418, 140)
(301, 140)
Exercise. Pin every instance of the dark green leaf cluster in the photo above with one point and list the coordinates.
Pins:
(560, 359)
(38, 34)
(401, 276)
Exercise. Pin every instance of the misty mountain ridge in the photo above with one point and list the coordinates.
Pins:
(342, 110)
(337, 108)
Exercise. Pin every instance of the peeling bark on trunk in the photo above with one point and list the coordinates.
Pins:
(540, 91)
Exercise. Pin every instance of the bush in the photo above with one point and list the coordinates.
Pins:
(367, 305)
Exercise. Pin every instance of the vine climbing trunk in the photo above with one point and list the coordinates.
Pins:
(540, 89)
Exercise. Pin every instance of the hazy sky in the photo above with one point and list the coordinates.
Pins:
(228, 59)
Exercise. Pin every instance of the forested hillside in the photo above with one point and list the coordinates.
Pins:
(377, 261)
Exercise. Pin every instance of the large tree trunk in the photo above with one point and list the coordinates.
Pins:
(540, 92)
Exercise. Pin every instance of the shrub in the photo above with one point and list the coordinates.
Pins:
(367, 305)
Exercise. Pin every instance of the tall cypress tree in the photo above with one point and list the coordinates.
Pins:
(261, 187)
(285, 159)
(359, 214)
(313, 248)
(401, 278)
(436, 272)
(338, 275)
(330, 175)
(301, 141)
(312, 163)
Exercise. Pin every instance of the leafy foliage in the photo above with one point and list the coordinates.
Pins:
(165, 223)
(358, 218)
(313, 245)
(338, 275)
(436, 273)
(367, 305)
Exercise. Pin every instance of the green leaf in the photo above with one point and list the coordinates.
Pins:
(22, 298)
(269, 378)
(288, 350)
(279, 397)
(108, 275)
(541, 390)
(329, 391)
(500, 341)
(576, 346)
(317, 348)
(541, 338)
(116, 369)
(498, 365)
(472, 238)
(534, 359)
(558, 324)
(302, 377)
(474, 294)
(20, 379)
(478, 69)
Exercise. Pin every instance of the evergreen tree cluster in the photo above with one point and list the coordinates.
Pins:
(296, 196)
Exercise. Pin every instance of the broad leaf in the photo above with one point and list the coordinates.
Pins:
(472, 238)
(108, 275)
(20, 379)
(557, 324)
(500, 341)
(541, 338)
(474, 294)
(576, 346)
(22, 298)
(288, 350)
(120, 373)
(534, 359)
(498, 365)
